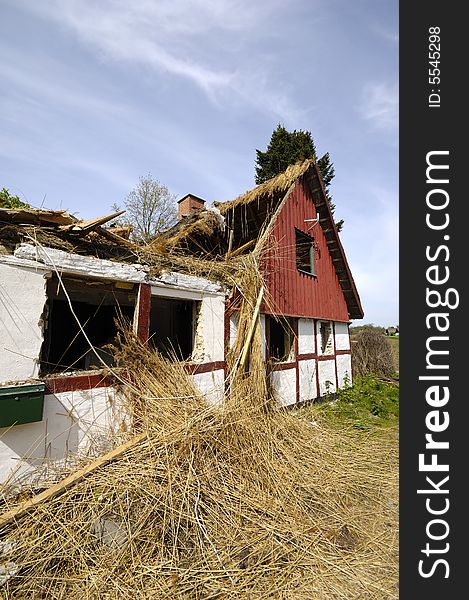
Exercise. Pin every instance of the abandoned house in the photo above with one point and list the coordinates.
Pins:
(64, 283)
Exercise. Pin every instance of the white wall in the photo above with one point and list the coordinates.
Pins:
(307, 374)
(211, 385)
(342, 337)
(284, 386)
(326, 374)
(306, 336)
(344, 369)
(234, 320)
(22, 300)
(74, 424)
(212, 323)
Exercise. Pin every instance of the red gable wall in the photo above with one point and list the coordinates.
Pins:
(298, 294)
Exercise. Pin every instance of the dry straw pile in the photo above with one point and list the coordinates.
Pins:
(242, 500)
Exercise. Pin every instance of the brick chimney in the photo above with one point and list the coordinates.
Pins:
(188, 205)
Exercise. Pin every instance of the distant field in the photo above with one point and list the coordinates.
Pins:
(394, 341)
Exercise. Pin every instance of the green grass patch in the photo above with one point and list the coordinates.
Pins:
(366, 404)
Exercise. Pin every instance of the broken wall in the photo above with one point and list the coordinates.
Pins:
(83, 420)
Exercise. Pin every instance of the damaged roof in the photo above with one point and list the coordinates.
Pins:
(227, 228)
(248, 216)
(59, 229)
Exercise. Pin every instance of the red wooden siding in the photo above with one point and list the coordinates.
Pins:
(299, 294)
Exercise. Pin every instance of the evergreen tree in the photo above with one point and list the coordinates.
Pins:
(287, 148)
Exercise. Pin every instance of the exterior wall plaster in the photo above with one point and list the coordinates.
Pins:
(74, 424)
(212, 322)
(22, 301)
(344, 369)
(234, 320)
(283, 386)
(211, 385)
(306, 336)
(342, 337)
(307, 375)
(327, 382)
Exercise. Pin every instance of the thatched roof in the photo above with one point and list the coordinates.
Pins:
(248, 216)
(272, 188)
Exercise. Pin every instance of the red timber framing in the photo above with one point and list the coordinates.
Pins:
(142, 313)
(295, 364)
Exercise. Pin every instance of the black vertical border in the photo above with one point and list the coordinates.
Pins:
(423, 129)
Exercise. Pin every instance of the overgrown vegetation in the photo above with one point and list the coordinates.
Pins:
(355, 329)
(367, 404)
(372, 354)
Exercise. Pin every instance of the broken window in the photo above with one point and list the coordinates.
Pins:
(172, 326)
(325, 334)
(97, 306)
(281, 338)
(304, 252)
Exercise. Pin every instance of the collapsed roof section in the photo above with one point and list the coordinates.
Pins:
(61, 230)
(227, 229)
(248, 217)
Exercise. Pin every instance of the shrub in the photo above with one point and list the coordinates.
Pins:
(371, 354)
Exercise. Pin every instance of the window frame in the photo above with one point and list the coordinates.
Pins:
(306, 238)
(290, 329)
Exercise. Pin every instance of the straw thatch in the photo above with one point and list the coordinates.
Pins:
(274, 186)
(242, 500)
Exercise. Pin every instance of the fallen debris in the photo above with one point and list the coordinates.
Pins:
(240, 500)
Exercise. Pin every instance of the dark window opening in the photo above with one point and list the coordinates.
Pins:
(281, 338)
(172, 329)
(304, 252)
(97, 307)
(325, 330)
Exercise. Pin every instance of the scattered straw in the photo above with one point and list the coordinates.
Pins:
(241, 500)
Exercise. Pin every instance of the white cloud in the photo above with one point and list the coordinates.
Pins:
(380, 105)
(207, 42)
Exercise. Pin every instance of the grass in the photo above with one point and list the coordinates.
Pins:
(368, 404)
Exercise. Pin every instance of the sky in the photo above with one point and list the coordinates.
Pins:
(97, 93)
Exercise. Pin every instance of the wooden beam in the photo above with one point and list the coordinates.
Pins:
(62, 486)
(243, 247)
(255, 316)
(90, 224)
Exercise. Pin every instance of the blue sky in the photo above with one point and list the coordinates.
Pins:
(97, 93)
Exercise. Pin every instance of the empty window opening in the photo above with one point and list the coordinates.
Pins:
(98, 306)
(172, 326)
(304, 252)
(281, 339)
(325, 332)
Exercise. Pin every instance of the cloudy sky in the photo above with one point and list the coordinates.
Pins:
(96, 93)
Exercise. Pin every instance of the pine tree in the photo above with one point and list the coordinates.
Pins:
(285, 149)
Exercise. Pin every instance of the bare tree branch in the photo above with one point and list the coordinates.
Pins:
(150, 207)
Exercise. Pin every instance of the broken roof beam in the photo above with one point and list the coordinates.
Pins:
(36, 216)
(85, 226)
